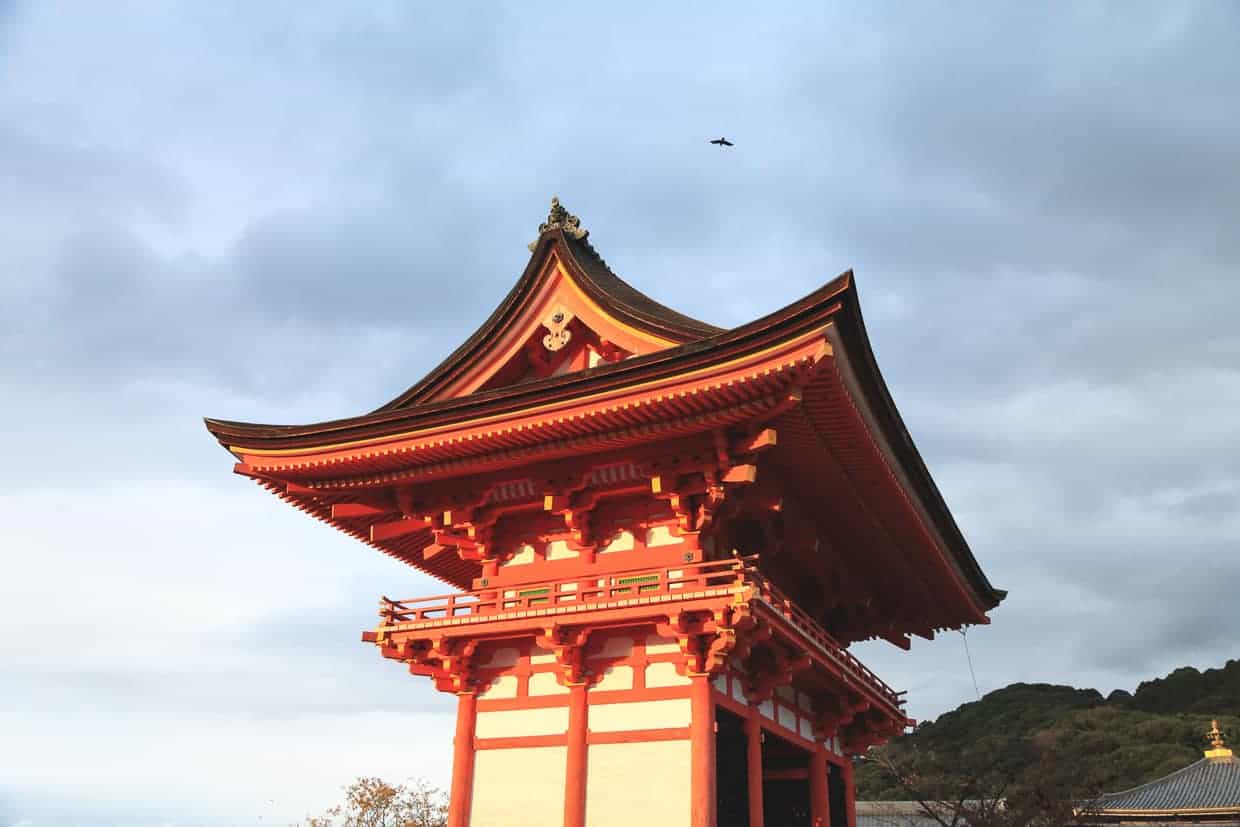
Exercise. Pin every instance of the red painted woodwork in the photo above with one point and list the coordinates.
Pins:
(702, 735)
(819, 796)
(630, 595)
(462, 761)
(753, 765)
(578, 756)
(776, 509)
(850, 794)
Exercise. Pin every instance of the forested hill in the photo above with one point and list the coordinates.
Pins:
(1122, 740)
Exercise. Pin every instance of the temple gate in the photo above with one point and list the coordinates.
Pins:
(663, 536)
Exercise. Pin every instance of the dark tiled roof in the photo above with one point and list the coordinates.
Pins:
(895, 819)
(616, 290)
(1209, 784)
(593, 275)
(902, 813)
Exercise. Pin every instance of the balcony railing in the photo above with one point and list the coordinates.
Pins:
(636, 586)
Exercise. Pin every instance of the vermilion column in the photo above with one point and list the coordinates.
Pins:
(578, 751)
(463, 760)
(850, 794)
(819, 798)
(753, 765)
(702, 734)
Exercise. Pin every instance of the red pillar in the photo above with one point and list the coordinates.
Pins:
(819, 798)
(850, 793)
(702, 735)
(753, 764)
(463, 760)
(578, 750)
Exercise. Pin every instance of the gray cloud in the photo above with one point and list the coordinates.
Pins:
(289, 215)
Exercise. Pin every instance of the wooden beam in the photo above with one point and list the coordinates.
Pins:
(445, 541)
(897, 639)
(397, 528)
(741, 474)
(341, 511)
(766, 438)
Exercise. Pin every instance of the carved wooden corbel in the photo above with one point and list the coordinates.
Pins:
(569, 648)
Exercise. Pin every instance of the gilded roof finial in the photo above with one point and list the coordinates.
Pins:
(1218, 747)
(560, 219)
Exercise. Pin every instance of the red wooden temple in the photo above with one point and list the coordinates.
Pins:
(663, 536)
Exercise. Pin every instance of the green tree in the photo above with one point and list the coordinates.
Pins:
(993, 782)
(372, 802)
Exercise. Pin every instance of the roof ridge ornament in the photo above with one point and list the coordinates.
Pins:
(560, 219)
(1218, 748)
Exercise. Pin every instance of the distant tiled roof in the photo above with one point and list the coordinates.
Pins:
(892, 814)
(909, 813)
(1208, 785)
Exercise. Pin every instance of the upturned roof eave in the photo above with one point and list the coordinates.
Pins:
(783, 325)
(873, 388)
(836, 302)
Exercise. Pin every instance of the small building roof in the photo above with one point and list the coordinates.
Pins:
(1209, 784)
(1207, 789)
(901, 813)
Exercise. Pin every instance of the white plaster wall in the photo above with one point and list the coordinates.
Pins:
(645, 784)
(665, 674)
(505, 686)
(513, 723)
(640, 715)
(521, 787)
(656, 645)
(615, 677)
(545, 683)
(524, 556)
(541, 656)
(623, 541)
(661, 535)
(559, 550)
(503, 656)
(615, 646)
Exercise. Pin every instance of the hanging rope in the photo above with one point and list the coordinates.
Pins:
(969, 657)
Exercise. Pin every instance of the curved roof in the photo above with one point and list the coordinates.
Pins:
(1211, 785)
(590, 272)
(687, 375)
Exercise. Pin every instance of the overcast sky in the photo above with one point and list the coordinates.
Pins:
(257, 212)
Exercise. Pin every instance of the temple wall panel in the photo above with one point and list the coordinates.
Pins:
(643, 783)
(664, 674)
(788, 712)
(615, 678)
(656, 645)
(539, 657)
(522, 787)
(620, 717)
(546, 683)
(505, 686)
(520, 723)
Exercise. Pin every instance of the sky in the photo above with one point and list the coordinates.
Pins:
(286, 212)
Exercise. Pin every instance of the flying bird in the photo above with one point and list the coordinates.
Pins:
(722, 142)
